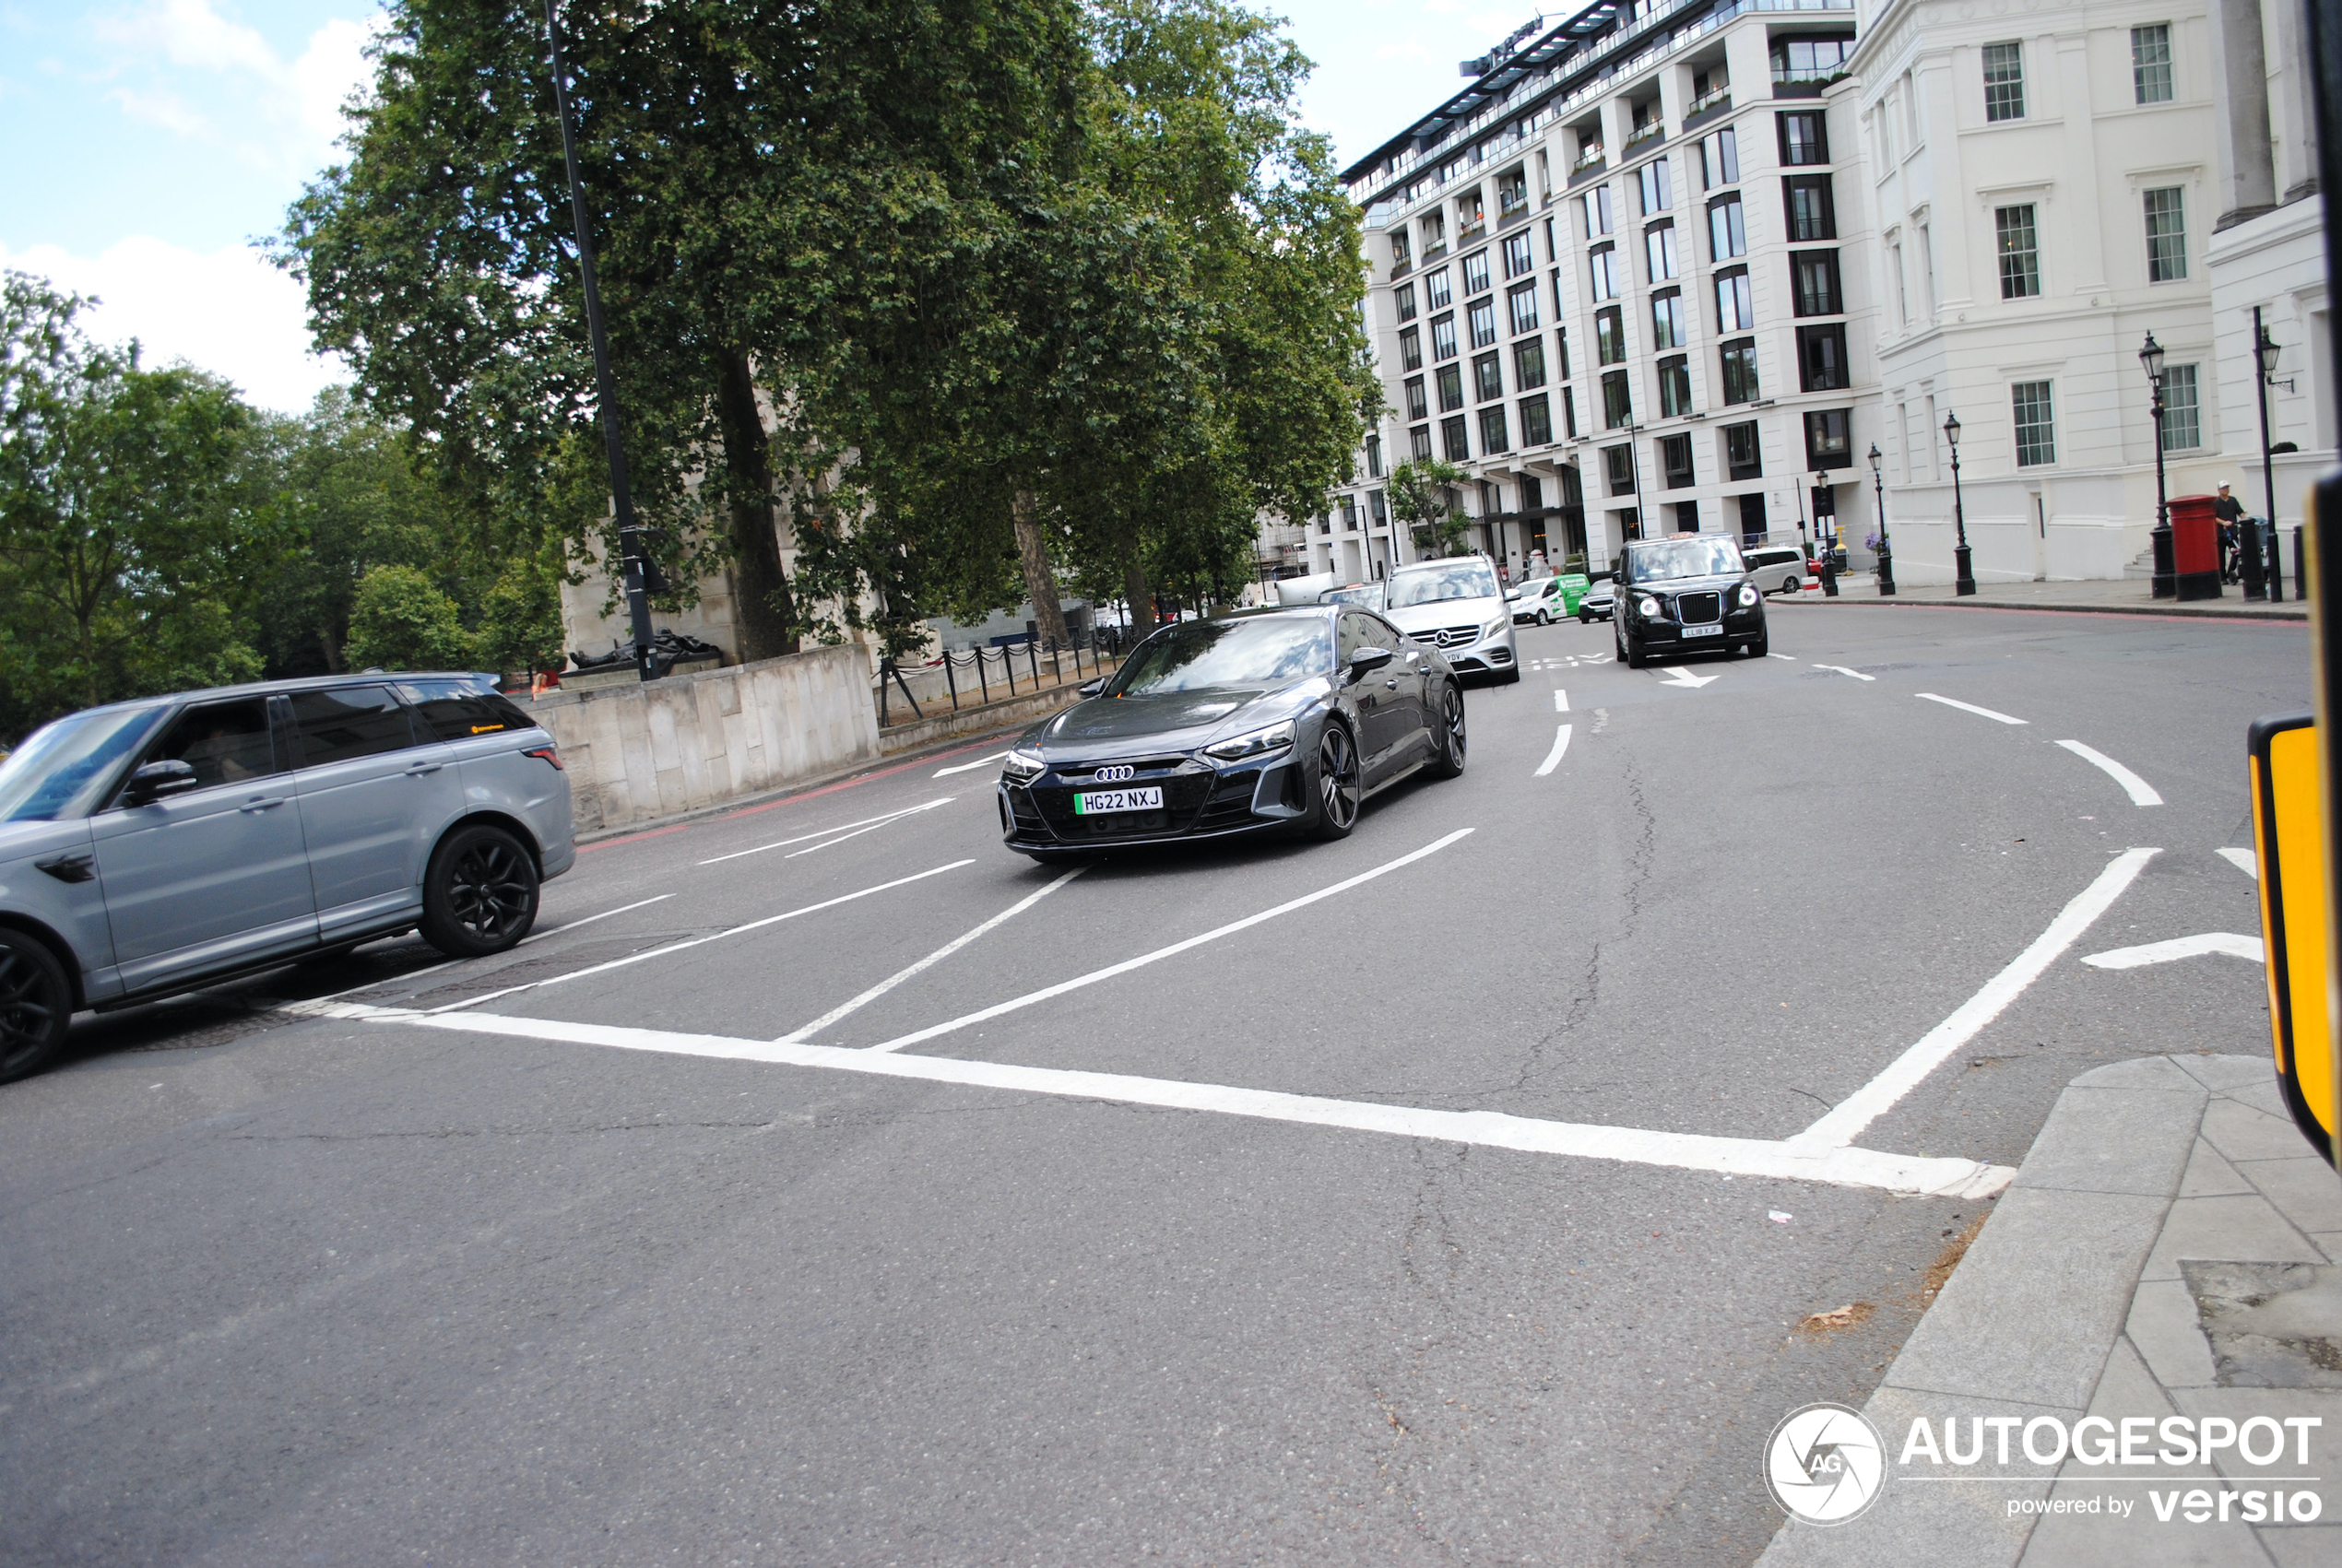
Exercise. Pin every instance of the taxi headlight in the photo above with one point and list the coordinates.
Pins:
(1748, 595)
(1647, 607)
(1023, 765)
(1254, 743)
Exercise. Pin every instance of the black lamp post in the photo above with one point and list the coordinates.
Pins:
(1963, 573)
(1886, 550)
(2165, 582)
(2265, 352)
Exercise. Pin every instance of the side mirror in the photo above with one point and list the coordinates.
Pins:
(1091, 687)
(170, 776)
(1366, 661)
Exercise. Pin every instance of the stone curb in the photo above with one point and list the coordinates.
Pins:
(2029, 1318)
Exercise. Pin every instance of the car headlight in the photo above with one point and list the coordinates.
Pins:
(1022, 765)
(1254, 743)
(1748, 595)
(1647, 607)
(1496, 626)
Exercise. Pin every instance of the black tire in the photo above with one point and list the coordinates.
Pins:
(36, 1005)
(1630, 653)
(1337, 779)
(1448, 760)
(1584, 619)
(1760, 645)
(1544, 617)
(1789, 587)
(480, 894)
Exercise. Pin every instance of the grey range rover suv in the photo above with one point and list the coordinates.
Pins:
(152, 845)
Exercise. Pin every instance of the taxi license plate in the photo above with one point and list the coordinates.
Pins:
(1703, 631)
(1096, 802)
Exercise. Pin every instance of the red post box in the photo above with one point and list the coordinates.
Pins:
(2195, 547)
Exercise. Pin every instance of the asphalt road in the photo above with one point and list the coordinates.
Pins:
(554, 1258)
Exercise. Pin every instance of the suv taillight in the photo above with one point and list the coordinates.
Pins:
(546, 753)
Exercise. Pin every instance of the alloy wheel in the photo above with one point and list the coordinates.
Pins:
(30, 1006)
(1451, 717)
(488, 888)
(1338, 778)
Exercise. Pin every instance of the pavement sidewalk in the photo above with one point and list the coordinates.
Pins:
(2169, 1248)
(2128, 596)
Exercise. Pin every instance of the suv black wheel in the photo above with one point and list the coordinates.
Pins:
(36, 1005)
(1449, 762)
(1337, 783)
(1630, 653)
(479, 895)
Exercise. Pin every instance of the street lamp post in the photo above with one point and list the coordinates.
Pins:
(2265, 352)
(1963, 572)
(1885, 549)
(2165, 582)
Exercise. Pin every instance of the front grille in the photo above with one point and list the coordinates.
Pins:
(1230, 805)
(1699, 609)
(1182, 794)
(1448, 636)
(1143, 768)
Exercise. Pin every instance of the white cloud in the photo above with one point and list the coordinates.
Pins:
(228, 311)
(165, 109)
(276, 96)
(329, 70)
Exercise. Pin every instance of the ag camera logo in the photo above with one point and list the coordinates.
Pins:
(1824, 1464)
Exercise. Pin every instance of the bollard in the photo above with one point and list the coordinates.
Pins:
(1829, 575)
(2248, 560)
(2277, 567)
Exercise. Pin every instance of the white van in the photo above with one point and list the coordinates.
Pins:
(1776, 568)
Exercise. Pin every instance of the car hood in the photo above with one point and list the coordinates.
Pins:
(1165, 721)
(1448, 612)
(1721, 584)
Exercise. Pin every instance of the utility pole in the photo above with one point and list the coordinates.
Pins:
(632, 561)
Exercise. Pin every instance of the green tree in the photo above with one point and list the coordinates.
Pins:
(401, 619)
(1422, 494)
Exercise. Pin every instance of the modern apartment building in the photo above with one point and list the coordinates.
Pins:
(1622, 280)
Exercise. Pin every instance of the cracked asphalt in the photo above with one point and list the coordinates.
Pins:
(284, 1288)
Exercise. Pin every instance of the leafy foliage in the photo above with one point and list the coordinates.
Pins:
(400, 620)
(1422, 494)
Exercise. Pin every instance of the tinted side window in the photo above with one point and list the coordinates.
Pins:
(224, 742)
(1382, 634)
(349, 721)
(1356, 631)
(455, 710)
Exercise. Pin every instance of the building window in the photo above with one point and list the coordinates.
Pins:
(1349, 514)
(1821, 358)
(1470, 216)
(1434, 235)
(2004, 81)
(1519, 255)
(1610, 337)
(1374, 455)
(1536, 421)
(1570, 412)
(2166, 236)
(1483, 315)
(1812, 214)
(1739, 363)
(1674, 460)
(1815, 283)
(1619, 466)
(2021, 252)
(1443, 337)
(1411, 350)
(1602, 267)
(1404, 297)
(1417, 406)
(1512, 194)
(1687, 517)
(1800, 60)
(1419, 442)
(1617, 404)
(1529, 363)
(2151, 63)
(1594, 213)
(1561, 348)
(1523, 300)
(1453, 446)
(1475, 273)
(2183, 412)
(2036, 423)
(1488, 378)
(1719, 160)
(1659, 246)
(1398, 251)
(1829, 440)
(1667, 320)
(1674, 387)
(1375, 511)
(1450, 388)
(1751, 518)
(1736, 311)
(1727, 230)
(1651, 182)
(1804, 137)
(1742, 453)
(1434, 290)
(1492, 436)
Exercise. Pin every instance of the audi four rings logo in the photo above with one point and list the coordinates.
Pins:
(1116, 773)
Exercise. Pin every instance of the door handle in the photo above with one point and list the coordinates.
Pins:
(262, 802)
(1392, 683)
(68, 867)
(419, 769)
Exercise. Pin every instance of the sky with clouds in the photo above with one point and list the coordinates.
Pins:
(155, 140)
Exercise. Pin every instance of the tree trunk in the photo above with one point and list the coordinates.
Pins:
(763, 615)
(1040, 583)
(333, 650)
(1134, 589)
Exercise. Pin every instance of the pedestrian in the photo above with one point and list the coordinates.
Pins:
(2231, 513)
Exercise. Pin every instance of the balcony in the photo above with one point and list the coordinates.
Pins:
(1643, 135)
(1709, 106)
(1591, 159)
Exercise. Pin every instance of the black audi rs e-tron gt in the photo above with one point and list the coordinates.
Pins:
(1277, 721)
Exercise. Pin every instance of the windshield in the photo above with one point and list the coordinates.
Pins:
(1367, 593)
(48, 776)
(1470, 578)
(1688, 556)
(1199, 654)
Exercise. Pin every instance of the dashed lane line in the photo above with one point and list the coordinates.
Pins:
(1553, 757)
(1561, 701)
(1841, 669)
(840, 827)
(1968, 708)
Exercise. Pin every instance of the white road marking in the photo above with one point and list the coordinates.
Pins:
(1677, 674)
(1841, 669)
(572, 925)
(699, 941)
(1561, 701)
(938, 956)
(2245, 860)
(1553, 757)
(969, 767)
(1780, 657)
(873, 828)
(824, 833)
(1845, 1122)
(1967, 707)
(449, 963)
(1127, 965)
(1752, 1157)
(2138, 789)
(2179, 947)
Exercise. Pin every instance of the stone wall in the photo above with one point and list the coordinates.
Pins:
(639, 752)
